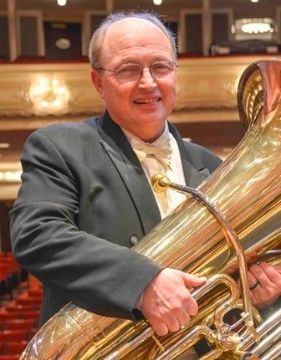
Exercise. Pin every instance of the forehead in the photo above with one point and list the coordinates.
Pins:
(133, 36)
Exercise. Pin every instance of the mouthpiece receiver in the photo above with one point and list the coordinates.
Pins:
(160, 182)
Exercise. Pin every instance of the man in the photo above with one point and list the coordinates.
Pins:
(86, 196)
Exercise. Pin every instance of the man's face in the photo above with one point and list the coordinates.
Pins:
(140, 106)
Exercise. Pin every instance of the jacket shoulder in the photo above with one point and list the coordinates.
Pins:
(199, 155)
(67, 132)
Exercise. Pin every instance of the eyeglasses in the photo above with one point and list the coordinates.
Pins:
(133, 72)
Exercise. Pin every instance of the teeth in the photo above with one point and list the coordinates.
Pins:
(147, 101)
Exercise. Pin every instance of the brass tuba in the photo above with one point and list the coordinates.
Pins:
(241, 202)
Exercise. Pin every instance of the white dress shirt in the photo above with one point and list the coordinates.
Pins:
(169, 164)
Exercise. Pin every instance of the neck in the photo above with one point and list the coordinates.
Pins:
(148, 137)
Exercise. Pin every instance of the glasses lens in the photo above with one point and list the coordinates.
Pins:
(130, 72)
(160, 70)
(133, 72)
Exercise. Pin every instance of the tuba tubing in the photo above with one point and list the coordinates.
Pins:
(246, 188)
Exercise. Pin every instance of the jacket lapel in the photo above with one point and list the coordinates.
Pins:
(129, 168)
(193, 176)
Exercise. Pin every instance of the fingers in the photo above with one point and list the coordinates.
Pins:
(193, 280)
(160, 328)
(265, 274)
(265, 284)
(251, 279)
(255, 286)
(192, 307)
(272, 273)
(167, 303)
(172, 323)
(184, 318)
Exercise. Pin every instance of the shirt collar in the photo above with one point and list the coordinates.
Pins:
(162, 140)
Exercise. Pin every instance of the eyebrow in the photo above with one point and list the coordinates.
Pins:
(131, 60)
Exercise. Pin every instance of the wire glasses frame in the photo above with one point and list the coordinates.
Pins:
(133, 72)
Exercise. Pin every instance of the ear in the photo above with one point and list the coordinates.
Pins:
(97, 81)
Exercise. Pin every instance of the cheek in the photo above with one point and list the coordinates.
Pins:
(169, 88)
(170, 94)
(118, 92)
(117, 101)
(110, 92)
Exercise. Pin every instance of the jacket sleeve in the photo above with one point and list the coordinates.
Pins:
(92, 272)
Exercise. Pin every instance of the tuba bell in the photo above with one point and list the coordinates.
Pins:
(234, 217)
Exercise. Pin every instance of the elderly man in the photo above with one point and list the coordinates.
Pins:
(86, 196)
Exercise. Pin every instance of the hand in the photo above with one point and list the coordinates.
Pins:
(167, 303)
(265, 284)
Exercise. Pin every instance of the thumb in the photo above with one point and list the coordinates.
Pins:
(193, 280)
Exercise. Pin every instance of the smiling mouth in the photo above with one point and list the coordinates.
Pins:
(147, 101)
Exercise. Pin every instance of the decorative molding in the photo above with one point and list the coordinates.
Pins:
(9, 180)
(10, 176)
(203, 85)
(16, 79)
(48, 96)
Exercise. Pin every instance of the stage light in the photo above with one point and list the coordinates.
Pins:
(49, 96)
(61, 2)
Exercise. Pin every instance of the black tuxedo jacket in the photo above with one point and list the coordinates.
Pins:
(83, 202)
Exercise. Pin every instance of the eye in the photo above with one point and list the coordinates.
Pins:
(162, 68)
(128, 71)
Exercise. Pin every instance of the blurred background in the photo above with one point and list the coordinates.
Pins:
(45, 79)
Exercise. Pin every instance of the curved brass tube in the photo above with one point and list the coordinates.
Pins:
(161, 182)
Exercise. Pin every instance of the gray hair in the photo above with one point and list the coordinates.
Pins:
(96, 42)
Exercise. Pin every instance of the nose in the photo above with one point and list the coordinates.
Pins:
(147, 80)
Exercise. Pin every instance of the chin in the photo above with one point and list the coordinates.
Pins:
(154, 115)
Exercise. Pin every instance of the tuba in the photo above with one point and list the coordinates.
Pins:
(234, 217)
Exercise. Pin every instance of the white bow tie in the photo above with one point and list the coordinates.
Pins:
(145, 150)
